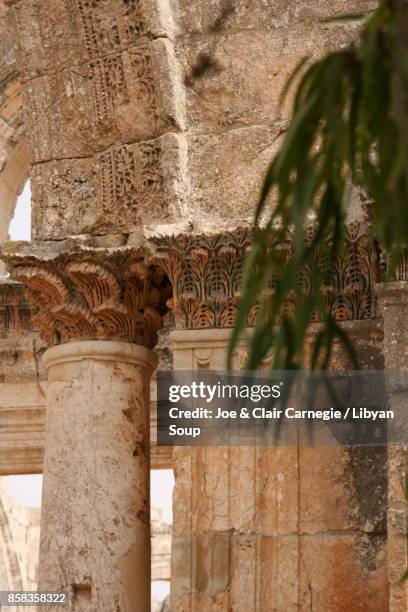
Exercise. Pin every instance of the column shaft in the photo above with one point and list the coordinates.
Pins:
(95, 537)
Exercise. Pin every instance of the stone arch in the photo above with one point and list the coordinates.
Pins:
(14, 157)
(12, 181)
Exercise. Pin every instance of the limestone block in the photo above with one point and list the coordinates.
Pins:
(226, 173)
(273, 476)
(252, 52)
(235, 571)
(333, 576)
(342, 488)
(19, 359)
(22, 417)
(252, 68)
(277, 573)
(129, 96)
(60, 34)
(116, 190)
(213, 15)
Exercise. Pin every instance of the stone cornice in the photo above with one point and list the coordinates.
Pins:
(90, 293)
(83, 291)
(205, 272)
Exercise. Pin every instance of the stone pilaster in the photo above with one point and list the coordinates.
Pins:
(280, 528)
(394, 298)
(273, 528)
(99, 311)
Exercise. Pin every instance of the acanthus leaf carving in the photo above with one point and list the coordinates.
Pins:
(94, 294)
(205, 272)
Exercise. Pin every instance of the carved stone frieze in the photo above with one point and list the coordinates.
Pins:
(131, 176)
(128, 82)
(401, 269)
(84, 293)
(116, 190)
(205, 272)
(350, 294)
(108, 27)
(124, 68)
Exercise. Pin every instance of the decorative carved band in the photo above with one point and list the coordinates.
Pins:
(131, 178)
(205, 272)
(15, 310)
(114, 294)
(122, 67)
(92, 293)
(110, 26)
(351, 292)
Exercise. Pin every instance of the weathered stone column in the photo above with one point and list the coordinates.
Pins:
(100, 311)
(95, 540)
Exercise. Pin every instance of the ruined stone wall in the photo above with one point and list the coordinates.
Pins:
(103, 114)
(141, 114)
(236, 56)
(278, 528)
(144, 114)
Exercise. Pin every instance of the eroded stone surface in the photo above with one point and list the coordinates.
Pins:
(118, 189)
(394, 306)
(95, 540)
(278, 528)
(82, 111)
(262, 16)
(101, 77)
(125, 131)
(206, 271)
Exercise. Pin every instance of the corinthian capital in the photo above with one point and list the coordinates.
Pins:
(90, 293)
